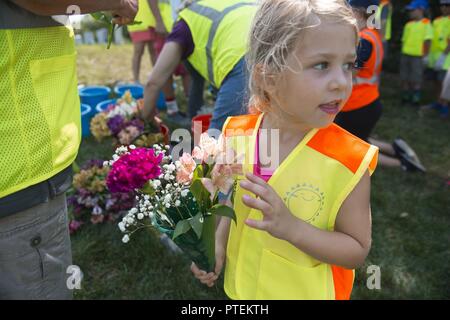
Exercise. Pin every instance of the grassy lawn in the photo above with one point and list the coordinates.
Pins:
(411, 213)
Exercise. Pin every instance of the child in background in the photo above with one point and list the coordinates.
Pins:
(416, 41)
(303, 215)
(440, 54)
(142, 35)
(163, 12)
(363, 109)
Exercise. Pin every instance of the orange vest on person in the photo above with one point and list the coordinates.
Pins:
(366, 81)
(313, 181)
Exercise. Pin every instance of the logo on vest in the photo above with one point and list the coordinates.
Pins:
(307, 198)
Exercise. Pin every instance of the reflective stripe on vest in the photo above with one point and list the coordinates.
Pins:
(15, 17)
(260, 266)
(375, 79)
(216, 18)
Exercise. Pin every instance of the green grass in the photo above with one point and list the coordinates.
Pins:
(410, 212)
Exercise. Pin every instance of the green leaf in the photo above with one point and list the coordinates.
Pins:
(112, 27)
(75, 167)
(223, 210)
(148, 189)
(197, 224)
(182, 227)
(198, 173)
(197, 189)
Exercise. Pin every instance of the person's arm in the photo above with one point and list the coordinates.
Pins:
(222, 232)
(160, 28)
(428, 38)
(125, 9)
(347, 246)
(166, 64)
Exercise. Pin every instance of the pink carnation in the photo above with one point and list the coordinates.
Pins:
(131, 171)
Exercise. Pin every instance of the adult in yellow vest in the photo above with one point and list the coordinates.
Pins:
(440, 55)
(384, 15)
(40, 135)
(212, 36)
(416, 42)
(143, 36)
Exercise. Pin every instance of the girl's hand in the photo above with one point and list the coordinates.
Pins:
(210, 278)
(277, 219)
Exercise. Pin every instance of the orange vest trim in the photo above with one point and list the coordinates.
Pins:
(240, 125)
(343, 282)
(366, 81)
(335, 142)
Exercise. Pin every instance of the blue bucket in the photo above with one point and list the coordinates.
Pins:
(86, 116)
(137, 91)
(93, 95)
(102, 106)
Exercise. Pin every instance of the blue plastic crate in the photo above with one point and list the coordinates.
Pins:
(93, 95)
(86, 116)
(137, 90)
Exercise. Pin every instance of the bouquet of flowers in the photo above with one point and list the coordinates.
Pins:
(123, 122)
(178, 198)
(91, 200)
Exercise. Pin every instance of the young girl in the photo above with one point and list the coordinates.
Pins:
(303, 228)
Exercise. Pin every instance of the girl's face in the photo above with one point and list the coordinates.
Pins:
(313, 96)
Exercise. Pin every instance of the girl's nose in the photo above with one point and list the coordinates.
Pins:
(340, 80)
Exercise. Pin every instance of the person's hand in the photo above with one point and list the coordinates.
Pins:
(277, 219)
(426, 60)
(126, 13)
(210, 278)
(160, 29)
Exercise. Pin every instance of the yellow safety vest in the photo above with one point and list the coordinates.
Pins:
(314, 180)
(388, 33)
(415, 34)
(144, 15)
(220, 30)
(441, 36)
(40, 120)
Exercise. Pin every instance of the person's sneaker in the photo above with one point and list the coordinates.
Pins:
(172, 107)
(432, 106)
(179, 120)
(408, 157)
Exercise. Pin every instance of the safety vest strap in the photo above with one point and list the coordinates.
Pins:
(240, 125)
(15, 17)
(216, 18)
(378, 47)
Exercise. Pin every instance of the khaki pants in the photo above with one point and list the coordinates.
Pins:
(35, 252)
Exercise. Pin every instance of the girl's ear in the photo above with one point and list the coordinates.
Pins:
(264, 79)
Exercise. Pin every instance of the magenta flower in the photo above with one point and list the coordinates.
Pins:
(131, 171)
